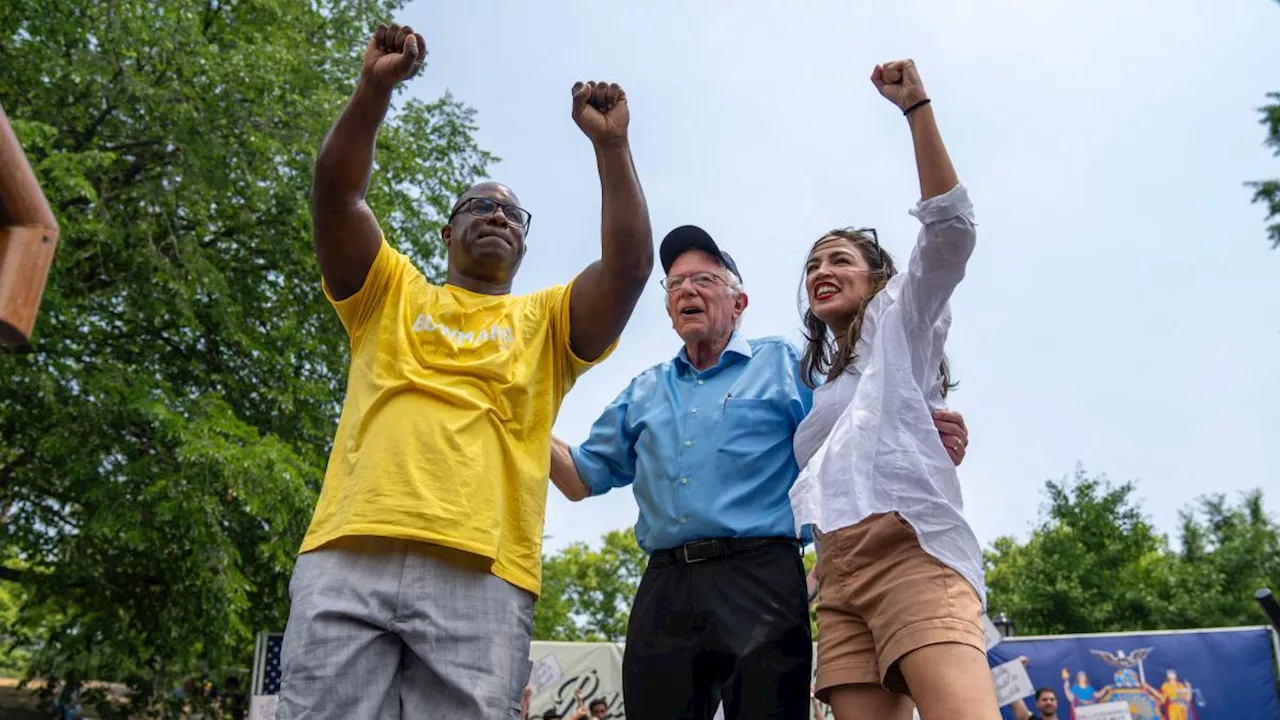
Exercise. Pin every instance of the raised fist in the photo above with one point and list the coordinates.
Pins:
(899, 82)
(394, 53)
(600, 110)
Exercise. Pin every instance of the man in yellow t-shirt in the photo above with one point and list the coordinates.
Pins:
(413, 592)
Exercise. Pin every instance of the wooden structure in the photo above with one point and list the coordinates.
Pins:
(28, 238)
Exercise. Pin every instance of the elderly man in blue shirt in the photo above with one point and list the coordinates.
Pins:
(705, 441)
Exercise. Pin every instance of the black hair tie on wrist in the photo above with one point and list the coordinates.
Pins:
(917, 106)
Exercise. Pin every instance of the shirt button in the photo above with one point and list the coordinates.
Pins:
(702, 382)
(688, 443)
(684, 481)
(693, 411)
(684, 520)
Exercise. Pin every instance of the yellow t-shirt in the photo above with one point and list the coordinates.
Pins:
(445, 434)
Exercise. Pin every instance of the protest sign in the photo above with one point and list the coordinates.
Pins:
(1012, 682)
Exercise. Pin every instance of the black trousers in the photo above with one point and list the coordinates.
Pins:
(732, 628)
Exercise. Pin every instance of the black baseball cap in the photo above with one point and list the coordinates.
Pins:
(691, 237)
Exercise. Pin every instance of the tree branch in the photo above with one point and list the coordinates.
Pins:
(87, 136)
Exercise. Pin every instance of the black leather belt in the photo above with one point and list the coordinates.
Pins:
(715, 548)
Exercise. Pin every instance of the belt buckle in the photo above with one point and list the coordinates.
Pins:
(714, 545)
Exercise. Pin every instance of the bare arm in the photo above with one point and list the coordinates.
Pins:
(933, 164)
(1019, 706)
(564, 474)
(900, 83)
(345, 232)
(605, 294)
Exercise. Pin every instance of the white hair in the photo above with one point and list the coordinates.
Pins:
(735, 289)
(734, 285)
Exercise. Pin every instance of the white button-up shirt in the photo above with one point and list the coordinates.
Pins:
(869, 445)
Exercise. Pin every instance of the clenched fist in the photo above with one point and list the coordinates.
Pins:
(394, 53)
(600, 110)
(899, 82)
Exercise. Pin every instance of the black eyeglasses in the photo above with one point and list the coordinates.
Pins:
(483, 207)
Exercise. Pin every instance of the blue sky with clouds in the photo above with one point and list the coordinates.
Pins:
(1122, 309)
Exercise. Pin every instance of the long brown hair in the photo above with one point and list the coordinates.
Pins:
(823, 355)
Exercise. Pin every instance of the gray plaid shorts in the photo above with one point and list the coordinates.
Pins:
(381, 628)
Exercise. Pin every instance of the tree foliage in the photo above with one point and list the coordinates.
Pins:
(1095, 564)
(13, 657)
(587, 594)
(1227, 551)
(166, 433)
(1267, 192)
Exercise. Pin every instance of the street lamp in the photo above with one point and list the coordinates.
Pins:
(1003, 624)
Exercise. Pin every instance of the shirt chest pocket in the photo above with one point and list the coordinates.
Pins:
(750, 426)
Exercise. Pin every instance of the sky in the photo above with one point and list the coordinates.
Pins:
(1122, 309)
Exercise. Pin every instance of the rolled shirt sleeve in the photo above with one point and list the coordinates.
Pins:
(607, 459)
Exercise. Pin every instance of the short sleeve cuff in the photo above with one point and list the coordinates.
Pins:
(354, 311)
(381, 261)
(577, 365)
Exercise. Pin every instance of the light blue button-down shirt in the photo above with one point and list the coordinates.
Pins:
(709, 453)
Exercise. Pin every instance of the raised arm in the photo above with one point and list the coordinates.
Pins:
(1019, 706)
(607, 291)
(345, 232)
(947, 238)
(900, 83)
(564, 474)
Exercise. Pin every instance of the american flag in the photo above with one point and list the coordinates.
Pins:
(267, 667)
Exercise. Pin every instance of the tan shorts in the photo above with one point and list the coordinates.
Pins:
(882, 596)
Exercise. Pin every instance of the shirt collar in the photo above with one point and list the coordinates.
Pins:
(738, 345)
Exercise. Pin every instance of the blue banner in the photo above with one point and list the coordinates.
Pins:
(1184, 675)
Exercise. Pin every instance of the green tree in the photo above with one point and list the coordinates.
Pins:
(166, 433)
(1094, 564)
(1227, 551)
(1268, 191)
(587, 594)
(553, 614)
(13, 657)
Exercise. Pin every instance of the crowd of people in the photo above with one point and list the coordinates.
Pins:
(414, 588)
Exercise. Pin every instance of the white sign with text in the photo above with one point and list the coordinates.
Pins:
(1104, 711)
(1012, 682)
(545, 673)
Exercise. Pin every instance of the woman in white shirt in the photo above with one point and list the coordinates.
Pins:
(900, 571)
